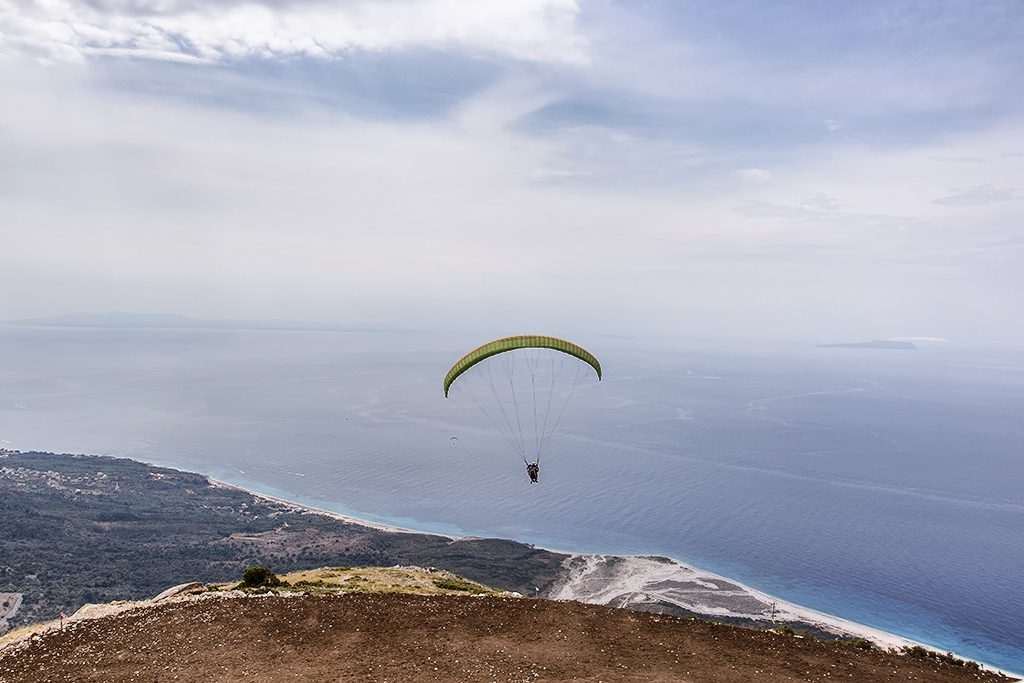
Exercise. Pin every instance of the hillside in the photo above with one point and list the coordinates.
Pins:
(412, 624)
(81, 529)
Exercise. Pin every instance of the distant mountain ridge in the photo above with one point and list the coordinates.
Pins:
(118, 319)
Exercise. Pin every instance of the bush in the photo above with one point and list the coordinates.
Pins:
(785, 629)
(859, 643)
(258, 577)
(458, 585)
(947, 658)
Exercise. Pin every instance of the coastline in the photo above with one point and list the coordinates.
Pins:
(634, 581)
(302, 507)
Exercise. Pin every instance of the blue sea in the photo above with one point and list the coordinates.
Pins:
(886, 487)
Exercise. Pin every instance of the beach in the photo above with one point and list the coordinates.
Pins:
(321, 511)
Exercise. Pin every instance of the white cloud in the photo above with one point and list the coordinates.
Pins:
(113, 199)
(757, 175)
(978, 196)
(218, 192)
(811, 207)
(70, 30)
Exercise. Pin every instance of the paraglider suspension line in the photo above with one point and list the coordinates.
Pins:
(512, 387)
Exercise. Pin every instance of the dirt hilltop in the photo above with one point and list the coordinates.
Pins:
(317, 635)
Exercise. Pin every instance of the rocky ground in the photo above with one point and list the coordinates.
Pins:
(405, 637)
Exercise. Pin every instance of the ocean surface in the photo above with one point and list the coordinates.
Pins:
(886, 487)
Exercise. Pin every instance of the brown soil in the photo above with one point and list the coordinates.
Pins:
(396, 637)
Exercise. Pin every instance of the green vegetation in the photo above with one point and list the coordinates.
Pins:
(411, 580)
(785, 629)
(858, 643)
(259, 577)
(459, 585)
(945, 658)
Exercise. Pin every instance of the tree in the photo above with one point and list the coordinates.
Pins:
(257, 577)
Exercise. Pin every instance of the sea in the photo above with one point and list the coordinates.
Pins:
(882, 486)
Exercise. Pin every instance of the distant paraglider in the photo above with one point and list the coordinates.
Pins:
(523, 385)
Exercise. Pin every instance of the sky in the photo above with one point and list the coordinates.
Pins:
(739, 169)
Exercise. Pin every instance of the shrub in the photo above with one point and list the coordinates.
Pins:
(859, 643)
(785, 629)
(944, 658)
(258, 577)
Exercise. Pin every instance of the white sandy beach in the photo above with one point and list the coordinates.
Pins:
(300, 507)
(634, 581)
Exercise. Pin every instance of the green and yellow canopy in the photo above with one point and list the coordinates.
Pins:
(525, 341)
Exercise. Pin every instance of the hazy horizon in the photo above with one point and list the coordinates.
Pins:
(128, 320)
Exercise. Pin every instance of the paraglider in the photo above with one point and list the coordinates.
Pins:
(523, 385)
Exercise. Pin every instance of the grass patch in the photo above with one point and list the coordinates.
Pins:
(459, 585)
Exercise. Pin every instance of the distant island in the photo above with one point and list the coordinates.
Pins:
(873, 344)
(118, 319)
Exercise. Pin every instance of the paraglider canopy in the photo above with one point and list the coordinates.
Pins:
(525, 341)
(523, 385)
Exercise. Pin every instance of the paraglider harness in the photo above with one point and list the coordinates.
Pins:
(533, 469)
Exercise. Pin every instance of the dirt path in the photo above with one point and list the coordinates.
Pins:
(397, 637)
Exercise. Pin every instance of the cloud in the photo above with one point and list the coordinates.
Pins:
(978, 196)
(757, 175)
(956, 160)
(71, 30)
(812, 207)
(414, 164)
